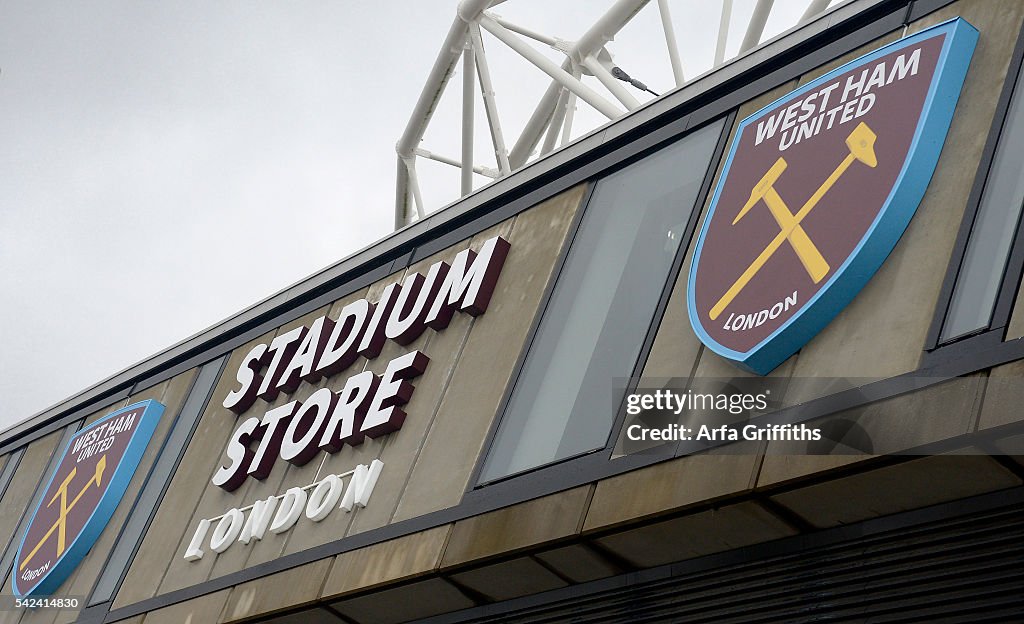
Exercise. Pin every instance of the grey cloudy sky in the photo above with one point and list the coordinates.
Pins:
(165, 164)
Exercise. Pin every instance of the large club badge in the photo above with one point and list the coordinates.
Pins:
(816, 191)
(81, 495)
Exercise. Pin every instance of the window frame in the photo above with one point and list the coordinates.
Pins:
(595, 459)
(935, 347)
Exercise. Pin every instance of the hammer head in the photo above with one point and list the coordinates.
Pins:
(862, 144)
(762, 187)
(101, 467)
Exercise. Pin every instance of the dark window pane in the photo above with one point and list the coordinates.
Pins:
(601, 308)
(981, 273)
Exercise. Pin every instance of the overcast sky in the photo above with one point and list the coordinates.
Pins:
(164, 165)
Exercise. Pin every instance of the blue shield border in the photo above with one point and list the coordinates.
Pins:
(121, 476)
(891, 221)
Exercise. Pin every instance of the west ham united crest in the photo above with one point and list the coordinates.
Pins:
(81, 495)
(816, 191)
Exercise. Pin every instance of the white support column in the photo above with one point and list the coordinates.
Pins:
(414, 186)
(723, 32)
(756, 26)
(815, 8)
(606, 27)
(670, 42)
(613, 84)
(436, 81)
(589, 43)
(468, 93)
(401, 195)
(537, 123)
(547, 66)
(484, 171)
(526, 32)
(490, 102)
(555, 127)
(570, 112)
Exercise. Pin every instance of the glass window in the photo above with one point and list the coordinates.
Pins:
(601, 308)
(981, 272)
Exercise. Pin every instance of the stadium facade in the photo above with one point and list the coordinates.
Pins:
(441, 427)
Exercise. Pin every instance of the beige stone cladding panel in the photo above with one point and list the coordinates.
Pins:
(909, 485)
(882, 332)
(399, 559)
(697, 534)
(199, 610)
(456, 436)
(396, 450)
(175, 515)
(282, 476)
(537, 235)
(936, 413)
(444, 348)
(849, 56)
(285, 590)
(1015, 329)
(1004, 396)
(307, 533)
(674, 485)
(517, 528)
(285, 475)
(215, 501)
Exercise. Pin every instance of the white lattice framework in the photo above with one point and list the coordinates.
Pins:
(551, 123)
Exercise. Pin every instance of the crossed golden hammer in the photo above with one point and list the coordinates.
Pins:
(861, 143)
(60, 526)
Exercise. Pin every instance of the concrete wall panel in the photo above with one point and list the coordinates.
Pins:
(694, 535)
(453, 443)
(206, 608)
(936, 413)
(518, 527)
(283, 476)
(444, 348)
(673, 485)
(159, 548)
(387, 562)
(284, 590)
(910, 485)
(882, 332)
